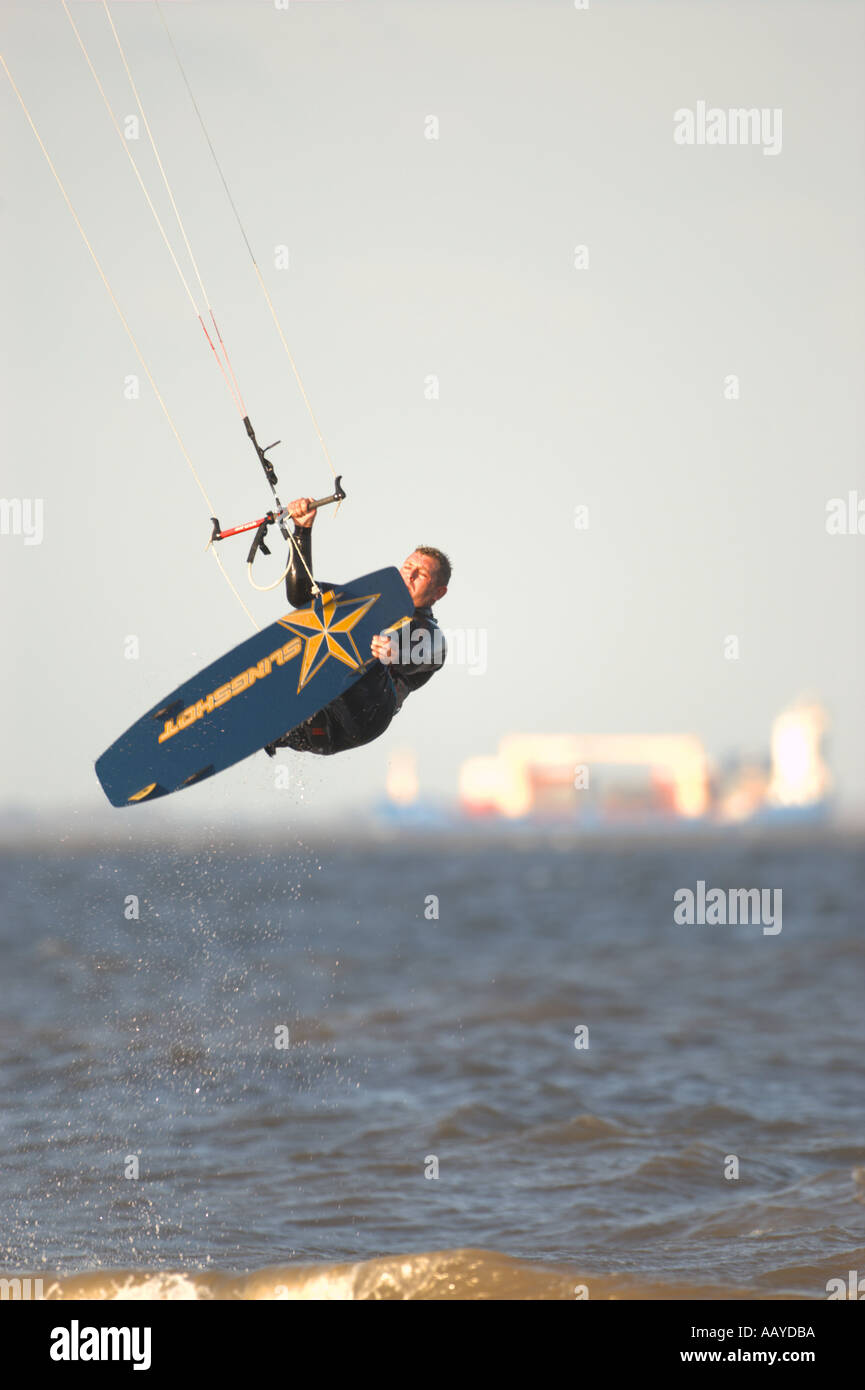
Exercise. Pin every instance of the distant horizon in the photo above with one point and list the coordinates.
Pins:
(134, 828)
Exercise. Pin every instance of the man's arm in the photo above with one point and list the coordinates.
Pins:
(298, 587)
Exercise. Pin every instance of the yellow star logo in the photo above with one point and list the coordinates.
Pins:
(325, 636)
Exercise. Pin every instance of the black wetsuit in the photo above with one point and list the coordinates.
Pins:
(367, 708)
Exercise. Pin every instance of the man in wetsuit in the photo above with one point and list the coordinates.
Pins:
(366, 709)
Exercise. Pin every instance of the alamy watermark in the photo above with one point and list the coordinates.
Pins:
(25, 1289)
(23, 516)
(853, 1287)
(458, 646)
(845, 516)
(77, 1343)
(712, 125)
(721, 907)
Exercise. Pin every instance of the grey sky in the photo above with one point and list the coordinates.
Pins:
(454, 257)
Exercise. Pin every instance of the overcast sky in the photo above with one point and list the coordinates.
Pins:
(693, 377)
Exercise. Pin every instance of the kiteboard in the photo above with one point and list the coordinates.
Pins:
(256, 692)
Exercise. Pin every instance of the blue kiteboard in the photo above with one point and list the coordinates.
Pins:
(256, 692)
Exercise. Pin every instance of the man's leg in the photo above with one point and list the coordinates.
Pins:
(349, 721)
(314, 735)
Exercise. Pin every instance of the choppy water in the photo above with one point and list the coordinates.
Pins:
(299, 1171)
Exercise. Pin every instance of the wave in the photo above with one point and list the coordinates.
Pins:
(437, 1275)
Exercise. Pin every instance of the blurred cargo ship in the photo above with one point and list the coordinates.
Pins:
(618, 781)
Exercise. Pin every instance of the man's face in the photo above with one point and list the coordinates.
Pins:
(420, 574)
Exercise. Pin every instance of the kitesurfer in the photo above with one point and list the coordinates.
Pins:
(366, 709)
